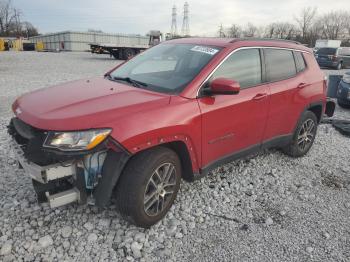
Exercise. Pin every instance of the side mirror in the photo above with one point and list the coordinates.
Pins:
(224, 86)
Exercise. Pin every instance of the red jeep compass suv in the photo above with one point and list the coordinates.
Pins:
(175, 111)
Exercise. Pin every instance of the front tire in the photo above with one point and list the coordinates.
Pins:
(304, 135)
(148, 186)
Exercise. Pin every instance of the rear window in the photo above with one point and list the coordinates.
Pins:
(300, 62)
(344, 51)
(279, 64)
(326, 51)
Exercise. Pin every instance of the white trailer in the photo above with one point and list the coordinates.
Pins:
(320, 43)
(124, 50)
(80, 41)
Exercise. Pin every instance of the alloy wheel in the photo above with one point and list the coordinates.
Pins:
(160, 189)
(306, 134)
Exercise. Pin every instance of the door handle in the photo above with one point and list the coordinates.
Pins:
(302, 85)
(260, 96)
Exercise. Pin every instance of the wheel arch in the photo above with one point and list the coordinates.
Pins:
(317, 109)
(116, 162)
(182, 147)
(181, 150)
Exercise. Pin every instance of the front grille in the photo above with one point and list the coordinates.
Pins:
(31, 140)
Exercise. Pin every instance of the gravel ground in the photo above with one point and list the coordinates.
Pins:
(268, 207)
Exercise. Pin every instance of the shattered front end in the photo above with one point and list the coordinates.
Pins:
(63, 175)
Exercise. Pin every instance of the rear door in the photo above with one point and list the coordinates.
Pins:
(233, 123)
(325, 56)
(287, 83)
(344, 54)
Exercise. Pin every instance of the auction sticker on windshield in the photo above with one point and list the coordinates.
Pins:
(205, 49)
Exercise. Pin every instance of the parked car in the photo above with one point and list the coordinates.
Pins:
(337, 58)
(176, 111)
(343, 96)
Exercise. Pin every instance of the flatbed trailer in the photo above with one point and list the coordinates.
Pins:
(117, 51)
(125, 51)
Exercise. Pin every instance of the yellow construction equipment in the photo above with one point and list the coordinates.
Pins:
(2, 44)
(39, 46)
(18, 45)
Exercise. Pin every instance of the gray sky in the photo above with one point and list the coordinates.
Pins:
(138, 17)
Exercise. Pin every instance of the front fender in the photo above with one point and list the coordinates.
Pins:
(166, 139)
(111, 171)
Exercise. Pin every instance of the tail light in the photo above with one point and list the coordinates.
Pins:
(332, 57)
(325, 79)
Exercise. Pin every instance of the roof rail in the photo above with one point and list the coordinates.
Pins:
(264, 39)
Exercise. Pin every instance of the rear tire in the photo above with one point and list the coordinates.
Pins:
(128, 53)
(148, 186)
(339, 66)
(115, 54)
(304, 135)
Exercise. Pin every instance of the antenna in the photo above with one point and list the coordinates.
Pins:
(173, 30)
(185, 24)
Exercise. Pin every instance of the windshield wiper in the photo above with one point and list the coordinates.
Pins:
(135, 83)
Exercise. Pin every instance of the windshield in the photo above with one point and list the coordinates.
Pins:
(165, 68)
(326, 51)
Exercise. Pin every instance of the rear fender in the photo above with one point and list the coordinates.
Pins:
(330, 107)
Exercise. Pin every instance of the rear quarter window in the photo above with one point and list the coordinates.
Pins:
(279, 64)
(300, 61)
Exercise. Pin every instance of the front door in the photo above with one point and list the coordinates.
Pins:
(235, 123)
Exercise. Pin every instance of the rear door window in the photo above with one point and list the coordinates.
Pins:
(243, 66)
(326, 51)
(300, 62)
(279, 64)
(344, 51)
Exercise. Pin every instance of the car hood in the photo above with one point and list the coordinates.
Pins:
(84, 104)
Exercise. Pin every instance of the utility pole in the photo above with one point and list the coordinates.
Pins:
(173, 30)
(185, 31)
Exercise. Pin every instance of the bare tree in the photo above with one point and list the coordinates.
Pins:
(315, 32)
(305, 20)
(347, 24)
(284, 30)
(270, 30)
(234, 31)
(7, 16)
(250, 30)
(10, 21)
(334, 24)
(29, 30)
(221, 31)
(16, 25)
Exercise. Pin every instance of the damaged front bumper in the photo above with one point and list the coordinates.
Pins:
(47, 180)
(60, 179)
(43, 174)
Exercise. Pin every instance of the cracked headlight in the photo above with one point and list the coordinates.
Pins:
(76, 141)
